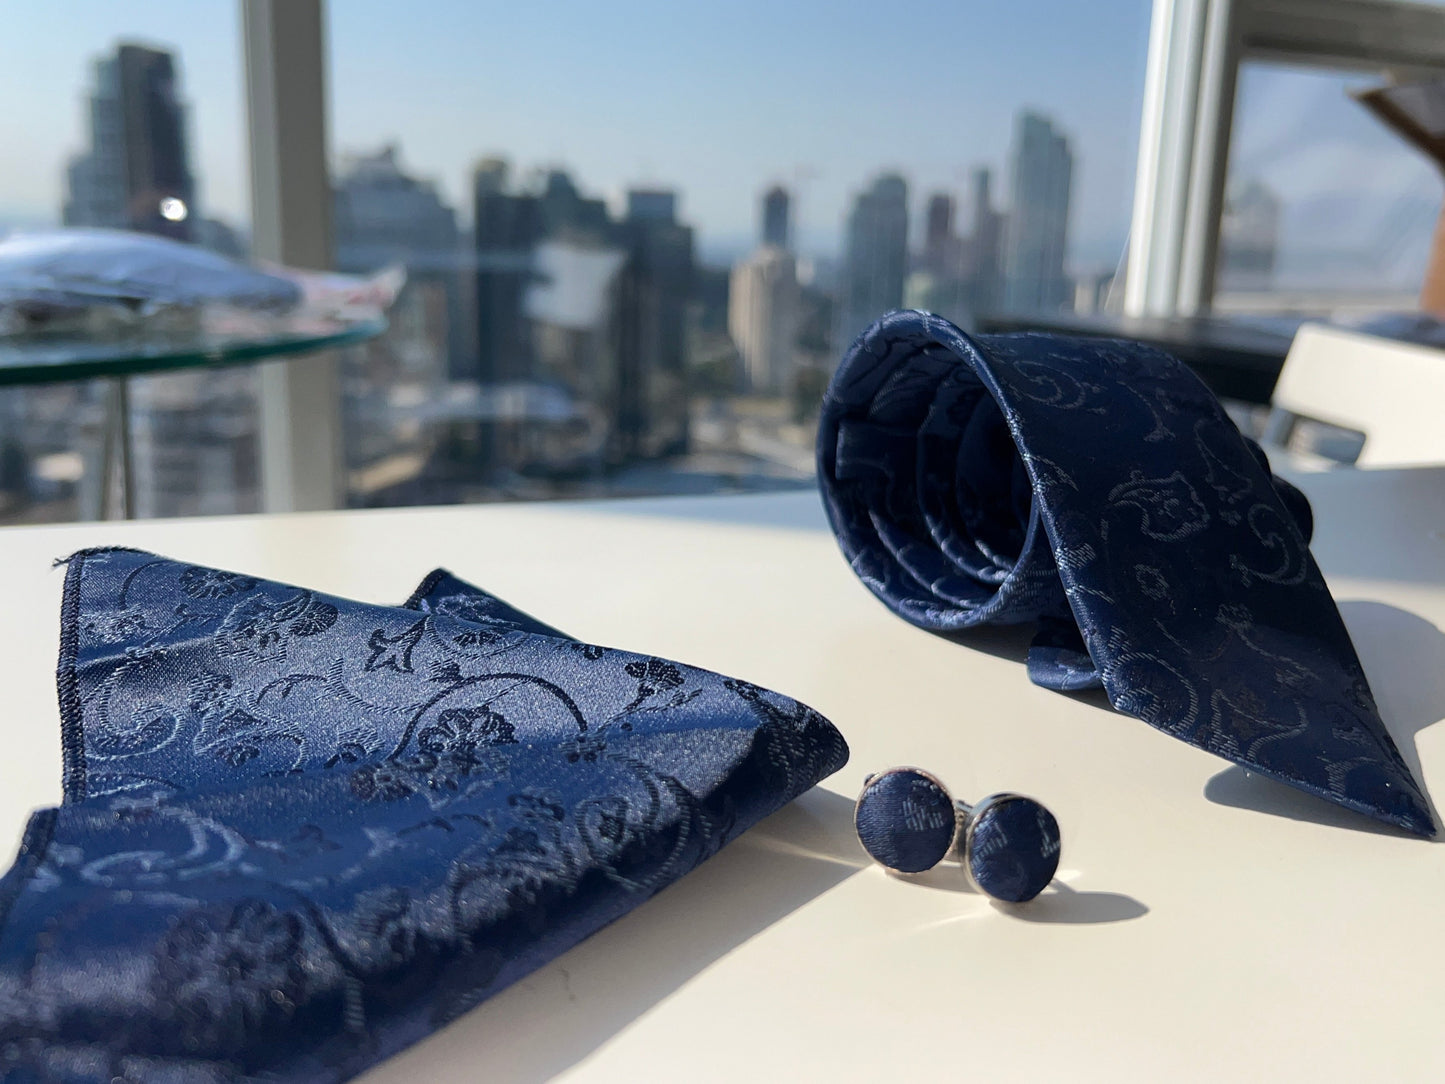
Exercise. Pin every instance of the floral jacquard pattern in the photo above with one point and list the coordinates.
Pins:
(1099, 490)
(300, 833)
(212, 583)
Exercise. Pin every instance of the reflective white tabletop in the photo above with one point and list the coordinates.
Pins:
(1206, 925)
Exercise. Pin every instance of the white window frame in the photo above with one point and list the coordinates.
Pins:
(1196, 48)
(300, 398)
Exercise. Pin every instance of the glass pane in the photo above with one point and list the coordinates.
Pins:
(129, 116)
(1326, 210)
(639, 235)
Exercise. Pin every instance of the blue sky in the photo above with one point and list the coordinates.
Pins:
(717, 99)
(722, 99)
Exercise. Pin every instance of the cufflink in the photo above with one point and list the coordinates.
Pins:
(1007, 844)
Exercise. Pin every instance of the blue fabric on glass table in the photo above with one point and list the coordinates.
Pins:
(300, 833)
(1098, 489)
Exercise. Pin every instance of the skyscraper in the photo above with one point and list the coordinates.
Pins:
(572, 303)
(652, 205)
(775, 217)
(506, 228)
(875, 256)
(937, 283)
(489, 176)
(983, 252)
(383, 216)
(566, 214)
(1041, 174)
(940, 245)
(193, 435)
(572, 307)
(654, 293)
(763, 316)
(136, 174)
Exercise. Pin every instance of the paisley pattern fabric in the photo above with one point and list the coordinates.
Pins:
(1098, 489)
(300, 833)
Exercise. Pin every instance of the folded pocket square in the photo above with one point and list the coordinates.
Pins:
(1098, 489)
(300, 833)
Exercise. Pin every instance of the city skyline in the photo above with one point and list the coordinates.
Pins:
(135, 88)
(555, 341)
(1331, 164)
(695, 101)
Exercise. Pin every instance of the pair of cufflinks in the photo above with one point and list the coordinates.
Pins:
(1008, 845)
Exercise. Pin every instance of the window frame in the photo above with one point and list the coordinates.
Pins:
(1196, 48)
(287, 140)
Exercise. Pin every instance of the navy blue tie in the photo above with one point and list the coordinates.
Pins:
(1099, 490)
(301, 833)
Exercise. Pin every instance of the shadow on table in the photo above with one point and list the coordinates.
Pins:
(1012, 642)
(1058, 903)
(1068, 906)
(554, 1018)
(1404, 659)
(1001, 641)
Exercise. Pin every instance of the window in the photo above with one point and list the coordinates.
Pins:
(636, 237)
(1203, 196)
(1325, 210)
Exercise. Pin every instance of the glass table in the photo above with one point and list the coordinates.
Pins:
(212, 340)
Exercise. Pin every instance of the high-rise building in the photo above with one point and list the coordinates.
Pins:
(567, 214)
(489, 176)
(937, 283)
(1041, 174)
(506, 228)
(652, 205)
(983, 251)
(381, 217)
(652, 417)
(763, 316)
(574, 309)
(193, 436)
(958, 276)
(940, 243)
(875, 257)
(775, 217)
(136, 173)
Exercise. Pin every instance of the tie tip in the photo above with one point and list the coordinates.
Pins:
(1403, 808)
(1415, 819)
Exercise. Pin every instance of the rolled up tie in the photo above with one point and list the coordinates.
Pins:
(1098, 489)
(300, 833)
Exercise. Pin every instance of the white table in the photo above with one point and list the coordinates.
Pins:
(1206, 925)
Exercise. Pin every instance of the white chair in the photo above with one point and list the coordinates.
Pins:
(1390, 391)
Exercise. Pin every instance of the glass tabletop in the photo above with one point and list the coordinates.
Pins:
(211, 340)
